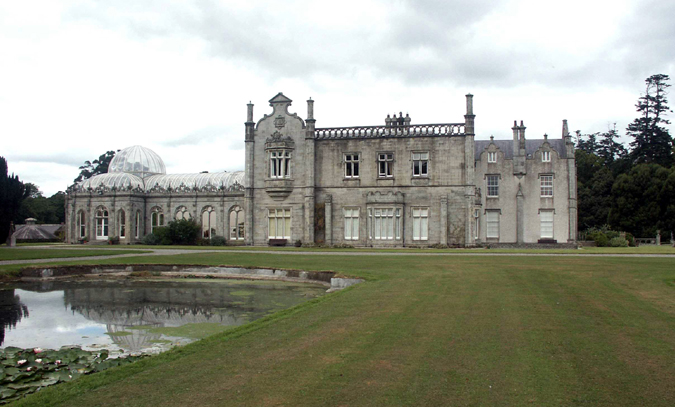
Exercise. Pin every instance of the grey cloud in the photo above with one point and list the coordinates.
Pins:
(63, 159)
(447, 31)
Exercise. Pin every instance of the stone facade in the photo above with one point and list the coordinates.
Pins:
(392, 185)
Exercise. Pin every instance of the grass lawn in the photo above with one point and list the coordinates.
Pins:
(424, 331)
(32, 254)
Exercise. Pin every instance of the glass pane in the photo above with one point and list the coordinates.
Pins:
(355, 228)
(272, 226)
(424, 228)
(287, 230)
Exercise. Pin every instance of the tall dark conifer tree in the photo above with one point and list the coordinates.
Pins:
(12, 193)
(652, 143)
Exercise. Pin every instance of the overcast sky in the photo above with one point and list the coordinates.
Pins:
(78, 78)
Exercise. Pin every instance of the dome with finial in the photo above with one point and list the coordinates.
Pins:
(137, 160)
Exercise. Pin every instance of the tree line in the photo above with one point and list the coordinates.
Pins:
(630, 188)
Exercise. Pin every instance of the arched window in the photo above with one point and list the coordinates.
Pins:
(81, 225)
(208, 222)
(157, 218)
(122, 223)
(101, 223)
(237, 223)
(137, 226)
(182, 213)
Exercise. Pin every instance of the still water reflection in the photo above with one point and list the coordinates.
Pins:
(136, 315)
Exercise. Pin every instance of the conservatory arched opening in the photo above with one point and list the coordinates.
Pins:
(237, 223)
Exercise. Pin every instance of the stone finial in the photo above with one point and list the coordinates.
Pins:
(492, 138)
(407, 119)
(545, 137)
(565, 130)
(387, 121)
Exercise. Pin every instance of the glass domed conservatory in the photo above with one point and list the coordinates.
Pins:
(136, 196)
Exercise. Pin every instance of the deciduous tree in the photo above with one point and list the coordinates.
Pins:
(98, 166)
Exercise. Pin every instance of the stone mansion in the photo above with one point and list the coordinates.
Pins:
(392, 185)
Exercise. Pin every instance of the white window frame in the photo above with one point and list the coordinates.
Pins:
(384, 223)
(182, 213)
(138, 225)
(122, 227)
(492, 186)
(352, 165)
(82, 224)
(352, 223)
(385, 165)
(492, 224)
(237, 228)
(476, 225)
(546, 182)
(209, 222)
(279, 219)
(492, 156)
(420, 221)
(420, 164)
(102, 223)
(546, 156)
(280, 163)
(546, 223)
(156, 218)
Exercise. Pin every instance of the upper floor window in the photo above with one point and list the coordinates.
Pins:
(351, 165)
(420, 164)
(492, 185)
(385, 165)
(492, 156)
(546, 185)
(546, 156)
(280, 164)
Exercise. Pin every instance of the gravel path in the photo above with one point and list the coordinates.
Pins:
(170, 252)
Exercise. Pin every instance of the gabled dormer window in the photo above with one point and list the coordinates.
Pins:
(492, 156)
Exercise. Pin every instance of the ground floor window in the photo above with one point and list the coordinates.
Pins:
(82, 224)
(420, 218)
(351, 223)
(237, 223)
(476, 224)
(385, 223)
(208, 222)
(156, 219)
(279, 223)
(492, 224)
(101, 223)
(122, 224)
(546, 220)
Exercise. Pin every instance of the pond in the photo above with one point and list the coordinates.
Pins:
(133, 315)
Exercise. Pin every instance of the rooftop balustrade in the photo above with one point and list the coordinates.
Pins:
(416, 130)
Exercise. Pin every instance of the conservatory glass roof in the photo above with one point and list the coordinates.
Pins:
(137, 160)
(119, 181)
(195, 181)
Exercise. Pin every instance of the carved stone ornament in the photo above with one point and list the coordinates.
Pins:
(279, 140)
(280, 122)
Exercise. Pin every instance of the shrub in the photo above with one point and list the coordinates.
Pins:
(218, 241)
(631, 239)
(151, 239)
(601, 239)
(298, 243)
(618, 242)
(114, 240)
(184, 231)
(164, 235)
